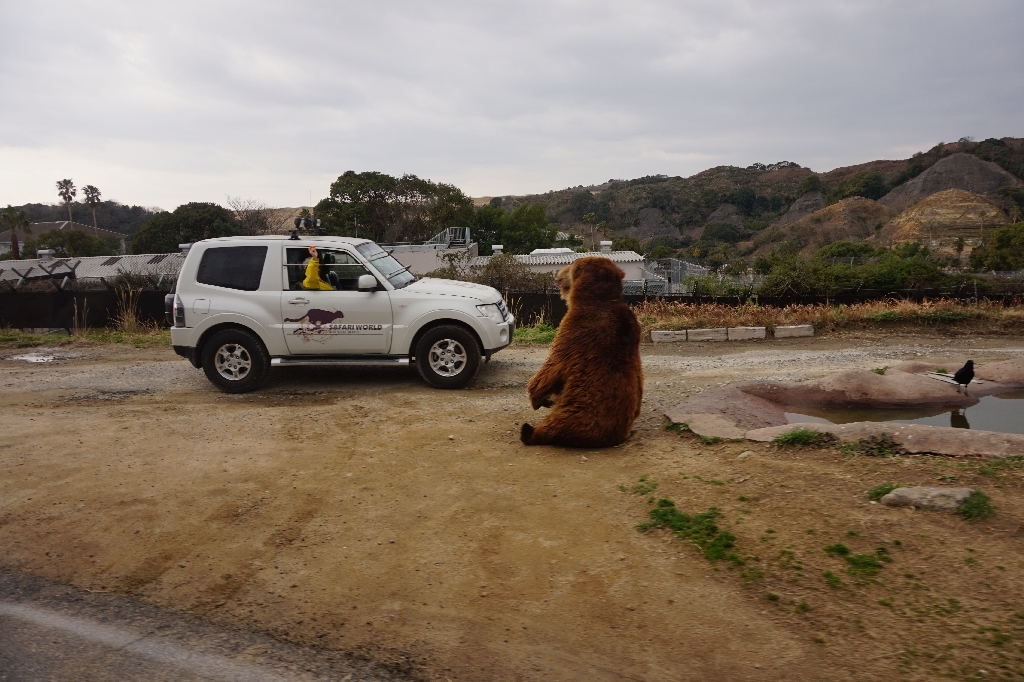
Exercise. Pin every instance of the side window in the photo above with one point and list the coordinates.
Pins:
(343, 274)
(232, 267)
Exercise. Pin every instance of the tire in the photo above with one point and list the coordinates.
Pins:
(234, 361)
(448, 357)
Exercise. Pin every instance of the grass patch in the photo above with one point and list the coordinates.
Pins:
(977, 506)
(802, 607)
(148, 336)
(880, 491)
(943, 316)
(710, 440)
(832, 580)
(880, 371)
(838, 549)
(678, 427)
(643, 486)
(885, 316)
(875, 446)
(805, 438)
(771, 596)
(539, 334)
(700, 529)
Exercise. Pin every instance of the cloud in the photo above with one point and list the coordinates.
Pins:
(191, 101)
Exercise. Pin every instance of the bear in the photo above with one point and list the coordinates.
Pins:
(592, 378)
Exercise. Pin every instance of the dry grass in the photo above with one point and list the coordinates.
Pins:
(986, 316)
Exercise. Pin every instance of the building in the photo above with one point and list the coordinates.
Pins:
(98, 270)
(450, 243)
(553, 260)
(38, 229)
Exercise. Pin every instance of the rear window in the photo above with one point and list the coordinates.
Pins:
(233, 267)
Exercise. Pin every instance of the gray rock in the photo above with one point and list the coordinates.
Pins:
(650, 222)
(809, 203)
(937, 499)
(957, 171)
(726, 213)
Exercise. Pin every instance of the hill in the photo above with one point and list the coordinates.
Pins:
(769, 204)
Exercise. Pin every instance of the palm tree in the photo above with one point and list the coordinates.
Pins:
(66, 190)
(92, 199)
(15, 220)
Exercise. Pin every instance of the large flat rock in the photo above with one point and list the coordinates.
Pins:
(1007, 372)
(726, 412)
(862, 388)
(936, 499)
(913, 438)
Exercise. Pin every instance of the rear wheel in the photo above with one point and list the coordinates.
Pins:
(234, 361)
(448, 357)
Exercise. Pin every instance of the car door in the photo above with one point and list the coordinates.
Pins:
(341, 321)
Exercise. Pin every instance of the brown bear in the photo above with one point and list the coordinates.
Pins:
(592, 377)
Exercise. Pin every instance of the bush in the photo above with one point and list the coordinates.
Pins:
(804, 437)
(880, 491)
(977, 506)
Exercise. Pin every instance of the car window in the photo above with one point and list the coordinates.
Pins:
(232, 267)
(343, 274)
(385, 263)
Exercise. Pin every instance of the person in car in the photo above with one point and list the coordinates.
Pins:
(317, 272)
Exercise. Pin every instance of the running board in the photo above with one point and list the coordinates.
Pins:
(299, 360)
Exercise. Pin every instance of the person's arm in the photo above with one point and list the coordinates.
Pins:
(313, 281)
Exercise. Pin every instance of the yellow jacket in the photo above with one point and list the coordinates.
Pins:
(313, 281)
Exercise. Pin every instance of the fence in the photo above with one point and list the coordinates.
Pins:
(56, 309)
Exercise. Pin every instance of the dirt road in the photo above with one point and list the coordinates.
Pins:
(364, 512)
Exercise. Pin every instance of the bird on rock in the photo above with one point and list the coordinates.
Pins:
(964, 376)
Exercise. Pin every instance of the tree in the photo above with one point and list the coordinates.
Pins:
(591, 219)
(66, 190)
(386, 208)
(92, 199)
(488, 226)
(627, 244)
(526, 229)
(188, 223)
(15, 220)
(77, 244)
(251, 215)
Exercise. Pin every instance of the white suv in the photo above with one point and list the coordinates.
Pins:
(239, 308)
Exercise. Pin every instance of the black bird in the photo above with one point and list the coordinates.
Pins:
(964, 376)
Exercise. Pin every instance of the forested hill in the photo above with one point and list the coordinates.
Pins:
(751, 198)
(110, 215)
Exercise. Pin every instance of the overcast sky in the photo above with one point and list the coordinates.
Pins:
(163, 103)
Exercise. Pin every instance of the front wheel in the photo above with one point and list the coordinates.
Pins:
(234, 361)
(448, 357)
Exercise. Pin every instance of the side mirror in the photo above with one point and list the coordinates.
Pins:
(367, 283)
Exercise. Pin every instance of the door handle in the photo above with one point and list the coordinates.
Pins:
(298, 301)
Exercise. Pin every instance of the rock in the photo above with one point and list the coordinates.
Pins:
(745, 454)
(861, 388)
(726, 213)
(1007, 372)
(956, 171)
(736, 411)
(719, 334)
(660, 336)
(942, 217)
(912, 438)
(937, 499)
(651, 222)
(793, 331)
(807, 204)
(745, 333)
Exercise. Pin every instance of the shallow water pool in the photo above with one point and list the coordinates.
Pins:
(1003, 413)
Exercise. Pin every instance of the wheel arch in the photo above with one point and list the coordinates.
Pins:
(197, 355)
(442, 322)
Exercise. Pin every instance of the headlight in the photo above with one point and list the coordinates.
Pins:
(491, 312)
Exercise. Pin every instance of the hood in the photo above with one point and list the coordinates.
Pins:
(451, 287)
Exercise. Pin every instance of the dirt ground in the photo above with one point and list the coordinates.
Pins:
(365, 512)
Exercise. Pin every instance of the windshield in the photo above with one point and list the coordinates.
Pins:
(386, 265)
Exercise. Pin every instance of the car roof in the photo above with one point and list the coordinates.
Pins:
(306, 238)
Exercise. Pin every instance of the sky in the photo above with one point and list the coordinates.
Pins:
(159, 104)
